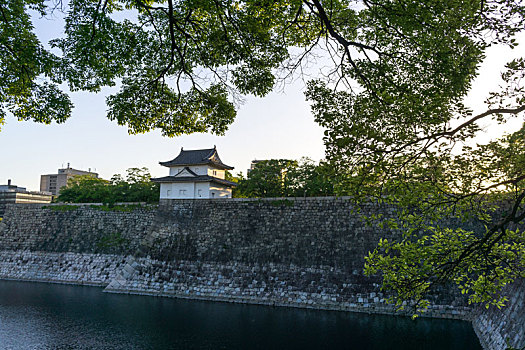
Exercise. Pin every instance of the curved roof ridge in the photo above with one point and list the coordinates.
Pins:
(197, 157)
(213, 151)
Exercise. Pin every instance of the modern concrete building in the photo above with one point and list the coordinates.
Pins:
(54, 182)
(195, 174)
(10, 194)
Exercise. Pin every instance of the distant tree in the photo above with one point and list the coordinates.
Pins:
(286, 178)
(233, 178)
(268, 179)
(236, 179)
(86, 189)
(137, 187)
(312, 180)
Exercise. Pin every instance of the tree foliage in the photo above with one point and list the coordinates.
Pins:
(286, 178)
(28, 73)
(182, 64)
(137, 187)
(406, 139)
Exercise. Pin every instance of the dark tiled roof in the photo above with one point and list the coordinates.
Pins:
(198, 157)
(199, 178)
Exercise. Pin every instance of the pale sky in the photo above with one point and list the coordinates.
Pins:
(279, 125)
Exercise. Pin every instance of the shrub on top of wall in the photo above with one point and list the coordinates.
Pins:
(62, 208)
(282, 202)
(117, 207)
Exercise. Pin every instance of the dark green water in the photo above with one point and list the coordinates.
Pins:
(47, 316)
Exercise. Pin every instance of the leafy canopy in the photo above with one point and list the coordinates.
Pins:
(286, 178)
(405, 138)
(28, 73)
(182, 65)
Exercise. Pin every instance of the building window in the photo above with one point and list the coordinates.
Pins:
(215, 172)
(168, 193)
(182, 192)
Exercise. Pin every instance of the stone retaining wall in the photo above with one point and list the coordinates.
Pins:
(73, 228)
(318, 231)
(316, 287)
(499, 328)
(69, 268)
(290, 252)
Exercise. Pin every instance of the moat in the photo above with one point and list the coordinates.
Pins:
(50, 316)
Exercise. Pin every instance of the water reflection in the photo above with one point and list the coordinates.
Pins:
(46, 316)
